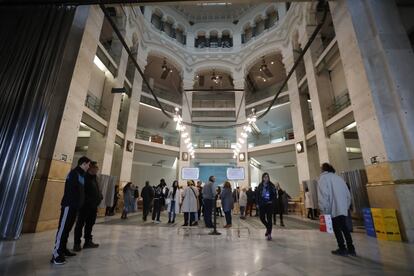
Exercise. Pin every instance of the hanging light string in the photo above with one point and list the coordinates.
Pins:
(145, 81)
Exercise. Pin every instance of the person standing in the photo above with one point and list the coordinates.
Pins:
(250, 201)
(136, 197)
(129, 204)
(218, 202)
(279, 207)
(159, 198)
(266, 192)
(200, 200)
(173, 200)
(334, 199)
(190, 202)
(309, 204)
(73, 198)
(227, 202)
(147, 195)
(110, 210)
(243, 203)
(87, 213)
(209, 193)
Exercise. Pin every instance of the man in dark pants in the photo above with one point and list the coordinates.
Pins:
(158, 199)
(73, 198)
(209, 194)
(87, 213)
(147, 195)
(334, 199)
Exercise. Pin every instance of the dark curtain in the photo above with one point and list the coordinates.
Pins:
(32, 40)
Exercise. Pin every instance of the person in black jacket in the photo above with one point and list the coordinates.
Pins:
(87, 213)
(250, 201)
(72, 200)
(266, 193)
(147, 195)
(158, 201)
(279, 207)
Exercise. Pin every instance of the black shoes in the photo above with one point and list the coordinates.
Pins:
(60, 260)
(352, 252)
(90, 244)
(194, 224)
(185, 224)
(77, 247)
(340, 252)
(68, 253)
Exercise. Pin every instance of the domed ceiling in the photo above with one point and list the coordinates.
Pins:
(208, 12)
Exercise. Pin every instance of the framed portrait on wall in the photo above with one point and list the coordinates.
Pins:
(130, 146)
(242, 157)
(184, 156)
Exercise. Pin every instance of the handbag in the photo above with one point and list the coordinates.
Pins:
(325, 224)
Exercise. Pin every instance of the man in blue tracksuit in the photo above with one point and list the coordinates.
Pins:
(72, 200)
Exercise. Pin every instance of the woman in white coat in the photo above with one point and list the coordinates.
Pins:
(173, 202)
(243, 203)
(189, 206)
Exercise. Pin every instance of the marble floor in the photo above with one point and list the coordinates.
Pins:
(133, 247)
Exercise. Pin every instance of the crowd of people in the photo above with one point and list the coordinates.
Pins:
(82, 197)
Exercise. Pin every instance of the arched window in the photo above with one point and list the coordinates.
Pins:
(156, 19)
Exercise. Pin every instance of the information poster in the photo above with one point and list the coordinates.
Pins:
(235, 173)
(190, 173)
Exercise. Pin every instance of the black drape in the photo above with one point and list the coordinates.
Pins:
(32, 40)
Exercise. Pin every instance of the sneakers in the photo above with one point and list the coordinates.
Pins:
(59, 260)
(67, 253)
(77, 247)
(340, 252)
(352, 252)
(90, 244)
(227, 226)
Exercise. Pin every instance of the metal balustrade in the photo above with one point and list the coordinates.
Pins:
(94, 104)
(340, 103)
(158, 136)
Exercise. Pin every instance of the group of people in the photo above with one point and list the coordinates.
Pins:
(82, 197)
(79, 203)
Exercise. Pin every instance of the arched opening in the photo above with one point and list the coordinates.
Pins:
(247, 33)
(226, 39)
(272, 16)
(156, 19)
(200, 40)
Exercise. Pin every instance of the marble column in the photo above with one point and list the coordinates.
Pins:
(331, 149)
(240, 102)
(44, 204)
(186, 111)
(298, 111)
(130, 133)
(378, 63)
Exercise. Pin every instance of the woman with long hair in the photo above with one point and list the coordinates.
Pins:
(266, 197)
(173, 202)
(129, 203)
(227, 202)
(190, 204)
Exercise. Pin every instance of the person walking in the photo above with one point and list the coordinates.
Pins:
(266, 192)
(159, 197)
(309, 204)
(279, 207)
(87, 213)
(173, 202)
(209, 193)
(227, 202)
(147, 195)
(250, 201)
(128, 200)
(243, 203)
(190, 202)
(73, 199)
(334, 199)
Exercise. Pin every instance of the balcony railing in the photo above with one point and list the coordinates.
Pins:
(214, 143)
(94, 104)
(272, 137)
(340, 103)
(158, 136)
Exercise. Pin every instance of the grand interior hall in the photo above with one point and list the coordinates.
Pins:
(237, 137)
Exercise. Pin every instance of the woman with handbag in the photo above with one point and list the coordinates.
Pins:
(190, 204)
(173, 202)
(227, 203)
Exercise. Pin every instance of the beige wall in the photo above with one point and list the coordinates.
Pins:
(142, 173)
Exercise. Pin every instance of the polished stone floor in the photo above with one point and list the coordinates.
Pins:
(135, 248)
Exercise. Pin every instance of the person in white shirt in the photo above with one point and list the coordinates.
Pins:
(334, 199)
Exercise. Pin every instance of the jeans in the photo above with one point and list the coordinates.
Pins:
(208, 210)
(228, 217)
(171, 212)
(265, 212)
(87, 218)
(242, 209)
(340, 228)
(156, 211)
(190, 215)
